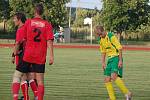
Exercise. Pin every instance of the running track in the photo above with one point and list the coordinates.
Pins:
(131, 48)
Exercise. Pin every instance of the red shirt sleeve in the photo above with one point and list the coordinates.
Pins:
(20, 34)
(49, 31)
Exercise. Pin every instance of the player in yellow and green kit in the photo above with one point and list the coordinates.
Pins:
(110, 47)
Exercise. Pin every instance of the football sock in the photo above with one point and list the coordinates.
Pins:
(15, 90)
(119, 82)
(33, 87)
(24, 87)
(110, 90)
(40, 92)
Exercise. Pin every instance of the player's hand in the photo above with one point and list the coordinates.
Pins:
(120, 63)
(103, 66)
(13, 60)
(51, 61)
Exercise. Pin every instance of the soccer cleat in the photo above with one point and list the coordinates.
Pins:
(35, 98)
(128, 96)
(21, 98)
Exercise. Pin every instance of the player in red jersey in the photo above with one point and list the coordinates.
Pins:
(39, 36)
(19, 20)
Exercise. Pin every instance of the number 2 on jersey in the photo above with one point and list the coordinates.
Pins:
(37, 37)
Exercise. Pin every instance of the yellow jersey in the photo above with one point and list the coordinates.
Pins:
(110, 45)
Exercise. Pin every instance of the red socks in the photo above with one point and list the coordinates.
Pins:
(15, 90)
(24, 87)
(33, 87)
(40, 92)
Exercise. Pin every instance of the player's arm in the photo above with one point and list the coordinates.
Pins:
(103, 55)
(19, 40)
(50, 38)
(15, 50)
(50, 46)
(118, 46)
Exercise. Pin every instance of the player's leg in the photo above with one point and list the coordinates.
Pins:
(24, 87)
(120, 83)
(24, 67)
(63, 38)
(16, 80)
(32, 83)
(16, 84)
(108, 83)
(110, 88)
(40, 70)
(40, 81)
(116, 74)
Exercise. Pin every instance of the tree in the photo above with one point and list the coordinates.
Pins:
(138, 13)
(55, 11)
(122, 15)
(4, 13)
(83, 13)
(4, 10)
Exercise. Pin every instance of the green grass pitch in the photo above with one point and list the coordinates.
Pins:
(77, 75)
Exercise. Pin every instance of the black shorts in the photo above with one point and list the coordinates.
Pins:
(31, 67)
(19, 65)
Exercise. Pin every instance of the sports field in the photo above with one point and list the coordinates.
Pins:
(77, 75)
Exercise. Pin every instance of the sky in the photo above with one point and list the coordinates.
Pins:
(86, 4)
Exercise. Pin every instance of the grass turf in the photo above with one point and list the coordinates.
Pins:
(77, 75)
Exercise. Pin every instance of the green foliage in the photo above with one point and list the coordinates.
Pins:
(4, 9)
(83, 13)
(55, 11)
(79, 20)
(97, 19)
(121, 15)
(138, 13)
(10, 26)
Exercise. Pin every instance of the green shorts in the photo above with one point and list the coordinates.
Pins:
(112, 67)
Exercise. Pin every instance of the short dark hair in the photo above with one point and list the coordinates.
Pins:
(21, 16)
(39, 8)
(101, 28)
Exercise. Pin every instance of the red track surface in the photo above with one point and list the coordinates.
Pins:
(134, 48)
